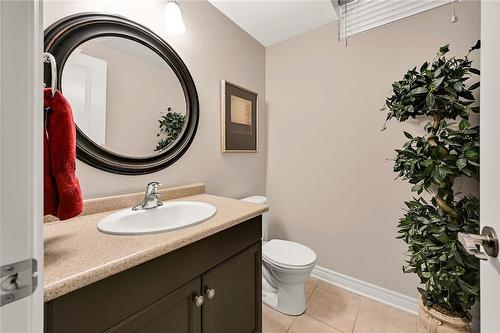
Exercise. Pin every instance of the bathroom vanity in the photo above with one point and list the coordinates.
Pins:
(205, 278)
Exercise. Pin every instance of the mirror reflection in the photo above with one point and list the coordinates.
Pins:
(105, 81)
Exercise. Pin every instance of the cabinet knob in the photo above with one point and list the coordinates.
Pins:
(210, 293)
(198, 300)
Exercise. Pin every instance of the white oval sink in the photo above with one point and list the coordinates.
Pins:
(171, 216)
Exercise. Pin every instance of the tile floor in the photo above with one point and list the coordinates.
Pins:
(331, 309)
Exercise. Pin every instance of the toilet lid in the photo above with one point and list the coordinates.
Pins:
(288, 254)
(258, 199)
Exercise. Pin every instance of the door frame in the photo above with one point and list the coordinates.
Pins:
(21, 154)
(490, 159)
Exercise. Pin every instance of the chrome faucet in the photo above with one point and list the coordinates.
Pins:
(151, 198)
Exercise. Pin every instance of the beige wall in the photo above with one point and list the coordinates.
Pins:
(213, 49)
(329, 184)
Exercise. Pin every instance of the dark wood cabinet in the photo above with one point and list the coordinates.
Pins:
(174, 313)
(236, 305)
(160, 295)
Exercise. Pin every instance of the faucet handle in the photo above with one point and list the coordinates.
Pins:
(153, 187)
(151, 198)
(153, 191)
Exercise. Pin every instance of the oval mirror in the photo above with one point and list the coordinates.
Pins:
(134, 102)
(124, 96)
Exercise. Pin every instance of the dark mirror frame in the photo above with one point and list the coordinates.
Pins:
(65, 35)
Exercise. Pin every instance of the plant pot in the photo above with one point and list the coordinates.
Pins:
(433, 321)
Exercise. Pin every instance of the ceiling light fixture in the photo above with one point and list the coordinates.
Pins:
(173, 18)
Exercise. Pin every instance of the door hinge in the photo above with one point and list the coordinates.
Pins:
(18, 280)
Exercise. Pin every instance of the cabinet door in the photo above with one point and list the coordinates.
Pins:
(236, 306)
(174, 313)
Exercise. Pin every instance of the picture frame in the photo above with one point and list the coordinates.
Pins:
(239, 119)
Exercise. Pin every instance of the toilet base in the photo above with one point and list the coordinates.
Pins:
(288, 299)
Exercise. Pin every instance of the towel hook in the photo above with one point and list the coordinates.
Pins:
(49, 58)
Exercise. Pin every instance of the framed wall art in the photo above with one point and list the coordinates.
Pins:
(239, 126)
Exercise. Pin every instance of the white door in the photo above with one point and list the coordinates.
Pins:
(84, 85)
(21, 165)
(490, 159)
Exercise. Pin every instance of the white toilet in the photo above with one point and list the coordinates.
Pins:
(285, 267)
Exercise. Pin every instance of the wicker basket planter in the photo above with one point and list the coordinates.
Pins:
(433, 321)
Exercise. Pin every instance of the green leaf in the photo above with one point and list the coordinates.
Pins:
(416, 188)
(470, 289)
(476, 46)
(424, 67)
(475, 71)
(408, 135)
(436, 83)
(461, 163)
(457, 256)
(430, 100)
(471, 154)
(419, 90)
(444, 49)
(474, 86)
(463, 124)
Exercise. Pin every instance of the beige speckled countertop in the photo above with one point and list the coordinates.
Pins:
(77, 254)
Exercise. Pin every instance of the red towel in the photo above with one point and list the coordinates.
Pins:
(62, 193)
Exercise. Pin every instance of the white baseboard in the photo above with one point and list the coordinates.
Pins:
(386, 296)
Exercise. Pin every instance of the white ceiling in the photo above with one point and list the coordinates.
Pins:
(272, 21)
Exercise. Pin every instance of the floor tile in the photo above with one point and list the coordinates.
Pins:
(312, 280)
(326, 285)
(308, 289)
(307, 324)
(274, 321)
(375, 317)
(334, 306)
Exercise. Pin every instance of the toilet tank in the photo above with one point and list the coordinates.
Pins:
(258, 199)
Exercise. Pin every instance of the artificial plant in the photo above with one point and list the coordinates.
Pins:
(171, 124)
(433, 163)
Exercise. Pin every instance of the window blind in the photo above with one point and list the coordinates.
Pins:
(361, 15)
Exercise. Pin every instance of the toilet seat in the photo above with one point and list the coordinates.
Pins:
(287, 254)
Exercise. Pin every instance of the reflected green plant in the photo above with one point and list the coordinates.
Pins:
(171, 124)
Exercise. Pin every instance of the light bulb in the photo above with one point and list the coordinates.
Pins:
(173, 18)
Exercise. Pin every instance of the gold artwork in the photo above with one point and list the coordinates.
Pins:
(241, 111)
